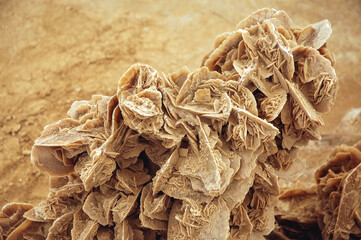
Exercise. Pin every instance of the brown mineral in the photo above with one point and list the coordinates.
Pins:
(197, 155)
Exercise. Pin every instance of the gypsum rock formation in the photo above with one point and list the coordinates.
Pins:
(188, 155)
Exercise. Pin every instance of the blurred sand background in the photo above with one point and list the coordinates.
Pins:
(55, 52)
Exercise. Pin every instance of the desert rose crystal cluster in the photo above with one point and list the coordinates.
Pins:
(187, 155)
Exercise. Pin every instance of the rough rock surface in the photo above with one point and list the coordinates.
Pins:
(199, 151)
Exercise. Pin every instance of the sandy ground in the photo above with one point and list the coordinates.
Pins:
(55, 52)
